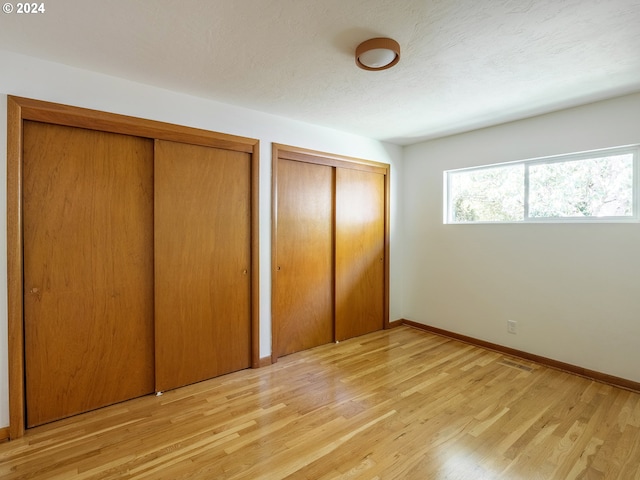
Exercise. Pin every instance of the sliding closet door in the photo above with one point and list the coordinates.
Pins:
(202, 261)
(303, 296)
(360, 251)
(88, 269)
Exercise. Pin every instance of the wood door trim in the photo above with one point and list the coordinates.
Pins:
(70, 116)
(387, 242)
(274, 239)
(14, 270)
(255, 255)
(288, 152)
(20, 109)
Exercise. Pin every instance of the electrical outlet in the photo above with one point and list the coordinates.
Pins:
(512, 326)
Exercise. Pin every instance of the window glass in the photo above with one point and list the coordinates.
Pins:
(493, 194)
(599, 186)
(595, 187)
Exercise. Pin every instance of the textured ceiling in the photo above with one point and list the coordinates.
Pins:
(465, 63)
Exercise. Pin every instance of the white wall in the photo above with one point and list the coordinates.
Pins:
(574, 289)
(27, 77)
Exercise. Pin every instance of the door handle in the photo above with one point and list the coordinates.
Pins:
(35, 291)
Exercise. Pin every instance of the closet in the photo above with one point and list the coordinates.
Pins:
(202, 261)
(88, 304)
(359, 252)
(329, 248)
(132, 250)
(303, 280)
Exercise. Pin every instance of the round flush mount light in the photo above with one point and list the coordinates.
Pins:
(377, 54)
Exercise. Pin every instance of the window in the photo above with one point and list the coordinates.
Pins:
(593, 186)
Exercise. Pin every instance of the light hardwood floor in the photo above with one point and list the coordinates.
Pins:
(400, 404)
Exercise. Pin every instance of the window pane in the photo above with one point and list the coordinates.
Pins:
(595, 187)
(493, 194)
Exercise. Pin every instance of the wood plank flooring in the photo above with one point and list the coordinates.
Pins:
(400, 403)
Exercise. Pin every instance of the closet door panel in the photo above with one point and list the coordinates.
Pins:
(88, 269)
(303, 300)
(360, 233)
(202, 261)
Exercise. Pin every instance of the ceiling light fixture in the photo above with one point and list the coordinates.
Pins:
(378, 54)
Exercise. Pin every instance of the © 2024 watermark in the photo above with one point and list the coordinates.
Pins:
(32, 8)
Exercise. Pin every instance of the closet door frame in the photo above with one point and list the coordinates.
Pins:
(288, 152)
(20, 109)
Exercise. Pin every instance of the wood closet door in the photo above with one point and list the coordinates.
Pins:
(202, 261)
(360, 234)
(303, 301)
(88, 269)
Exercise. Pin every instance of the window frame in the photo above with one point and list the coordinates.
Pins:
(633, 149)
